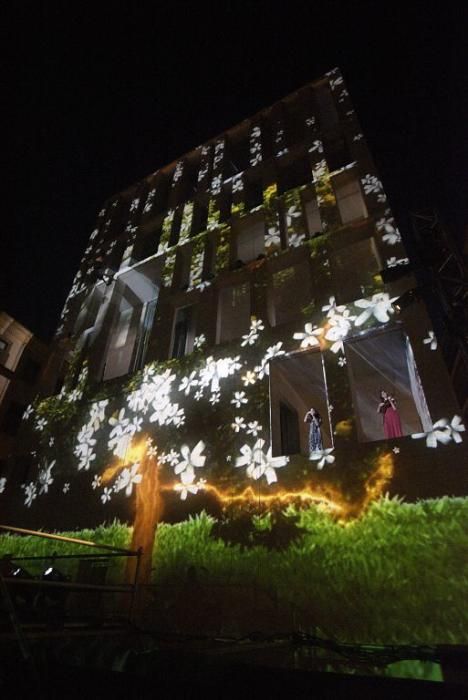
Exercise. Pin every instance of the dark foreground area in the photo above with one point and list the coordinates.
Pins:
(136, 666)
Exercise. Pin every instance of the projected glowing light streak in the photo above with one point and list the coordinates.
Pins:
(328, 497)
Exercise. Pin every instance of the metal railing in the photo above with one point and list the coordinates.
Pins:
(31, 600)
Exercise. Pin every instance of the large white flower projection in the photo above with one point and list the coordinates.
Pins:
(379, 306)
(443, 431)
(185, 468)
(310, 337)
(259, 463)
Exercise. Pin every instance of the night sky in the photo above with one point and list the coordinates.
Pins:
(99, 97)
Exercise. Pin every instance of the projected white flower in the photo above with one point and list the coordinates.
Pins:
(309, 338)
(291, 214)
(379, 306)
(215, 370)
(239, 399)
(263, 369)
(340, 325)
(254, 428)
(239, 424)
(214, 398)
(216, 184)
(323, 457)
(342, 361)
(30, 493)
(310, 121)
(358, 137)
(97, 414)
(187, 484)
(317, 146)
(249, 378)
(45, 477)
(394, 262)
(272, 237)
(199, 341)
(254, 333)
(296, 239)
(260, 463)
(191, 459)
(106, 494)
(332, 308)
(171, 458)
(198, 395)
(391, 234)
(456, 427)
(3, 482)
(66, 487)
(431, 340)
(40, 424)
(371, 184)
(28, 412)
(237, 183)
(96, 482)
(188, 383)
(127, 478)
(441, 432)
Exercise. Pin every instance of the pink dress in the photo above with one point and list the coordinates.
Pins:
(391, 421)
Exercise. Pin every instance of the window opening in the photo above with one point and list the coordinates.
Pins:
(384, 361)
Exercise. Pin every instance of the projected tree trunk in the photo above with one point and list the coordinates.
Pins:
(148, 512)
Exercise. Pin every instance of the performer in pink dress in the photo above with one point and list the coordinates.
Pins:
(391, 418)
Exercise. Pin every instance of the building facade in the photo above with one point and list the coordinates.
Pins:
(260, 276)
(22, 359)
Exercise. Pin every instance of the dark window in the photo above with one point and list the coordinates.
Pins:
(182, 343)
(354, 270)
(250, 241)
(336, 153)
(233, 312)
(12, 418)
(253, 193)
(289, 423)
(349, 196)
(326, 106)
(294, 175)
(289, 290)
(199, 218)
(3, 345)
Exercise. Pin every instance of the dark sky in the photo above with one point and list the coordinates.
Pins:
(99, 95)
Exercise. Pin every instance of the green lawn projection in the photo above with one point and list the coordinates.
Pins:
(398, 574)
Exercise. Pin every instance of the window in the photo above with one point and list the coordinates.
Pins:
(326, 106)
(312, 212)
(289, 290)
(233, 312)
(354, 269)
(253, 189)
(3, 345)
(383, 360)
(294, 174)
(182, 268)
(349, 196)
(183, 333)
(131, 314)
(297, 384)
(250, 241)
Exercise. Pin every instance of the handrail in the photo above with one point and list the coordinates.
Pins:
(71, 540)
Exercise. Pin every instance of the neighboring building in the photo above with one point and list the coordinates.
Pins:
(22, 358)
(218, 300)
